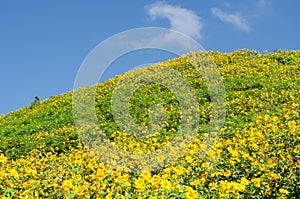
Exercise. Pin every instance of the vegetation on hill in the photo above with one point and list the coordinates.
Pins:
(256, 156)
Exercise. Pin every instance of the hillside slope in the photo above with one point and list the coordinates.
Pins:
(256, 156)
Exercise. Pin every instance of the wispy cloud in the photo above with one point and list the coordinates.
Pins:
(181, 19)
(228, 5)
(235, 19)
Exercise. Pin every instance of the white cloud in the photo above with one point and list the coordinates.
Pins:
(234, 19)
(181, 19)
(228, 5)
(170, 40)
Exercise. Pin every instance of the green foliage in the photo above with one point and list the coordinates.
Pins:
(256, 156)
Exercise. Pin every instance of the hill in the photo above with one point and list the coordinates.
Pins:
(257, 154)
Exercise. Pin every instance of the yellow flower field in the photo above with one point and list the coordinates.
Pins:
(257, 154)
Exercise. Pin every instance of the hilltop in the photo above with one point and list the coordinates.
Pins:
(256, 155)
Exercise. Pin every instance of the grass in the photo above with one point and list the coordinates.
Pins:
(256, 156)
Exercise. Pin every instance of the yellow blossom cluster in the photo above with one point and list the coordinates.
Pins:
(256, 155)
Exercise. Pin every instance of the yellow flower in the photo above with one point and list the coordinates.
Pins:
(109, 195)
(216, 174)
(233, 152)
(275, 119)
(227, 173)
(2, 173)
(232, 162)
(191, 193)
(244, 181)
(195, 182)
(256, 181)
(14, 173)
(179, 170)
(213, 185)
(31, 171)
(3, 159)
(238, 186)
(165, 184)
(189, 159)
(139, 184)
(205, 164)
(225, 184)
(68, 184)
(146, 176)
(78, 190)
(100, 174)
(298, 163)
(283, 191)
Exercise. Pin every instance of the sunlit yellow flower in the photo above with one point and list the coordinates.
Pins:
(191, 193)
(275, 119)
(227, 173)
(3, 159)
(146, 176)
(256, 182)
(2, 173)
(244, 181)
(68, 184)
(78, 190)
(205, 164)
(195, 182)
(14, 173)
(238, 186)
(165, 184)
(109, 195)
(139, 184)
(225, 185)
(283, 191)
(213, 185)
(232, 162)
(189, 159)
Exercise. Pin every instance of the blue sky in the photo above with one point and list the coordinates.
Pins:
(43, 43)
